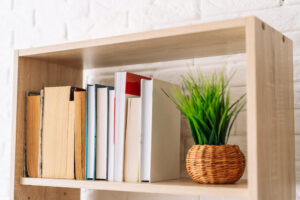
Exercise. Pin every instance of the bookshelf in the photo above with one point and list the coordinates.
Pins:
(270, 113)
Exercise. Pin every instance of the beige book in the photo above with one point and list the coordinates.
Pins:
(80, 133)
(132, 140)
(160, 138)
(58, 134)
(33, 121)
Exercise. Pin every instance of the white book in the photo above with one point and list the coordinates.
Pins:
(111, 132)
(160, 133)
(146, 127)
(91, 132)
(101, 139)
(120, 79)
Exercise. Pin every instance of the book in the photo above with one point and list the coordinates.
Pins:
(93, 145)
(58, 138)
(111, 134)
(80, 133)
(33, 134)
(132, 140)
(102, 132)
(126, 85)
(160, 133)
(90, 132)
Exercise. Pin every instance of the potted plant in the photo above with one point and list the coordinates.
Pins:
(205, 102)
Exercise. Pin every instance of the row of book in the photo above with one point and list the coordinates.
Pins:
(130, 132)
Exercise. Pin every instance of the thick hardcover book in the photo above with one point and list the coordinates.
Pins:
(58, 141)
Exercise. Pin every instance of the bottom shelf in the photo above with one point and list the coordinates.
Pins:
(181, 186)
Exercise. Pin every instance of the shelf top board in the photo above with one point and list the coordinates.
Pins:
(182, 186)
(202, 40)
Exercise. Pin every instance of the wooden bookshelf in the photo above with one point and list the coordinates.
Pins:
(182, 186)
(270, 107)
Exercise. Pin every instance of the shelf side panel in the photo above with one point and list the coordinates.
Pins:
(33, 75)
(270, 113)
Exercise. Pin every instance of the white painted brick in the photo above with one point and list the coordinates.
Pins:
(238, 72)
(51, 12)
(297, 96)
(297, 147)
(50, 33)
(297, 120)
(108, 24)
(76, 9)
(5, 5)
(291, 2)
(221, 7)
(284, 18)
(6, 38)
(4, 189)
(25, 37)
(241, 124)
(28, 4)
(296, 68)
(79, 29)
(121, 4)
(163, 12)
(295, 36)
(15, 18)
(235, 58)
(298, 191)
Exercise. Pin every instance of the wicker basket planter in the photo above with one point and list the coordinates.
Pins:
(215, 164)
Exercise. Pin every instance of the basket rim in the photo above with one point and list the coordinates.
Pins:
(212, 145)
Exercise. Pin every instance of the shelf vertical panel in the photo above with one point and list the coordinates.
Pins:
(33, 75)
(270, 113)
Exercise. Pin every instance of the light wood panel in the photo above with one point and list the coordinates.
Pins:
(33, 75)
(180, 186)
(270, 113)
(211, 39)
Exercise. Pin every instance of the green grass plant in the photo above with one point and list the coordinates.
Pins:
(205, 102)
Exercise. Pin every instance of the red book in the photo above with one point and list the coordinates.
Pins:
(126, 85)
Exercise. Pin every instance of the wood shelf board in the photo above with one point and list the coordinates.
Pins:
(202, 40)
(183, 186)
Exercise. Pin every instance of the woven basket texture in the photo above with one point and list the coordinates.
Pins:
(215, 164)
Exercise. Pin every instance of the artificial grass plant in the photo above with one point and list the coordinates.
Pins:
(205, 102)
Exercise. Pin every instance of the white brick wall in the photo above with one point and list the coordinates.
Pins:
(31, 23)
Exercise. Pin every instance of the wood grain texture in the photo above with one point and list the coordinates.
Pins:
(178, 186)
(270, 113)
(33, 75)
(33, 125)
(80, 128)
(210, 39)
